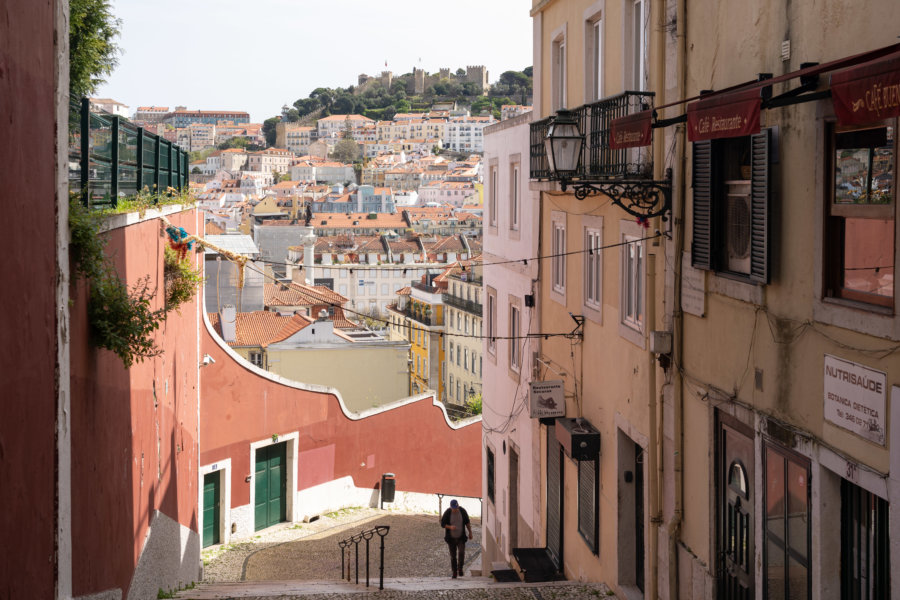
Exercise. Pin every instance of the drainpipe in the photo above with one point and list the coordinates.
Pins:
(651, 454)
(679, 192)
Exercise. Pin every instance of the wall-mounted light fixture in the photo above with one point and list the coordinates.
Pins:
(564, 143)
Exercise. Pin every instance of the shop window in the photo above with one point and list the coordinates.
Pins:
(865, 548)
(860, 226)
(787, 530)
(490, 474)
(587, 502)
(731, 198)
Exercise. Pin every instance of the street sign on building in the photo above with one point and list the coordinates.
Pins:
(547, 399)
(855, 398)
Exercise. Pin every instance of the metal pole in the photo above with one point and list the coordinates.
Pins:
(356, 545)
(381, 564)
(367, 561)
(114, 167)
(85, 150)
(140, 160)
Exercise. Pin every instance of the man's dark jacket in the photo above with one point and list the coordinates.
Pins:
(445, 520)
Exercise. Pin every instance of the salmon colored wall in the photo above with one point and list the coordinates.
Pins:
(413, 441)
(134, 432)
(28, 302)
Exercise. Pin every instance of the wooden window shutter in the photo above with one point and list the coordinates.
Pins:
(701, 245)
(759, 207)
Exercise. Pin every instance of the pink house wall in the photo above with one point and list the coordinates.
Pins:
(134, 431)
(28, 354)
(414, 441)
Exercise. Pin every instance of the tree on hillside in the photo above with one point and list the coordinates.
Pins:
(529, 71)
(460, 72)
(92, 52)
(234, 142)
(346, 151)
(292, 116)
(269, 129)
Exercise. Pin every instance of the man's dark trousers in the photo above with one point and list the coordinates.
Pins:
(457, 546)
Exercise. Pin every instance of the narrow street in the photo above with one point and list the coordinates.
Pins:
(303, 561)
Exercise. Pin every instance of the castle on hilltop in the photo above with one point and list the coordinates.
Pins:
(421, 80)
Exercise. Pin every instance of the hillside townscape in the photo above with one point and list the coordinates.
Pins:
(621, 324)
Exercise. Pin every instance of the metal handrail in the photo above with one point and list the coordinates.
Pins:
(368, 534)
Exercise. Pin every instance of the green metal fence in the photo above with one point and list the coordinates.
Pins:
(110, 158)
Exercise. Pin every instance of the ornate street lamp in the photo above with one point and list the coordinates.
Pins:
(564, 144)
(641, 198)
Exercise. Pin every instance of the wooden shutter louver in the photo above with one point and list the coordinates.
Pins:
(759, 207)
(701, 245)
(587, 502)
(554, 498)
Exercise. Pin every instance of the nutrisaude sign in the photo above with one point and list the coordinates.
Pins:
(855, 398)
(547, 399)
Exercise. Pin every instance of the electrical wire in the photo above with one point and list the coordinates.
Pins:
(413, 266)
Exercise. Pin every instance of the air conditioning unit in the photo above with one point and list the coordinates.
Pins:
(737, 226)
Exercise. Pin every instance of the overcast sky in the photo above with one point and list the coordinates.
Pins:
(256, 55)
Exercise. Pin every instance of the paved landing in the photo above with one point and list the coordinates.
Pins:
(403, 585)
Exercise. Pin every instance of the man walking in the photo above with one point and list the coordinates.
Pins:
(453, 521)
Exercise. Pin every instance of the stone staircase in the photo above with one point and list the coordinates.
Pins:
(405, 587)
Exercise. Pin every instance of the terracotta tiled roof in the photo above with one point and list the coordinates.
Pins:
(296, 294)
(261, 327)
(213, 229)
(404, 291)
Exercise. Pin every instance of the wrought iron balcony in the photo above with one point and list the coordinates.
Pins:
(599, 161)
(466, 305)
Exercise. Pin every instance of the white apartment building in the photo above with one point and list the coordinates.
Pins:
(512, 439)
(270, 160)
(463, 347)
(466, 134)
(332, 126)
(297, 139)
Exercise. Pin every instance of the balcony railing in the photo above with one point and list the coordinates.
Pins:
(598, 161)
(110, 158)
(466, 305)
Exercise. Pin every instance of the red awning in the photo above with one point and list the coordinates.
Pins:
(724, 115)
(630, 131)
(867, 93)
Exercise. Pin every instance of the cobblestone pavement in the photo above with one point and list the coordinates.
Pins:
(302, 561)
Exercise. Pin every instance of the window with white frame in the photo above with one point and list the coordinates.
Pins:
(558, 71)
(593, 51)
(492, 321)
(637, 45)
(515, 352)
(558, 252)
(514, 197)
(593, 263)
(495, 190)
(632, 302)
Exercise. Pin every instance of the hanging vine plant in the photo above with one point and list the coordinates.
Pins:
(182, 280)
(122, 320)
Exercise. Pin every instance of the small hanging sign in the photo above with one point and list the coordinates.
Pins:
(547, 399)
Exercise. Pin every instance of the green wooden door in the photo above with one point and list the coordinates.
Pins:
(271, 486)
(211, 500)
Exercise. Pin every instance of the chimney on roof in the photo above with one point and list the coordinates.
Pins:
(228, 322)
